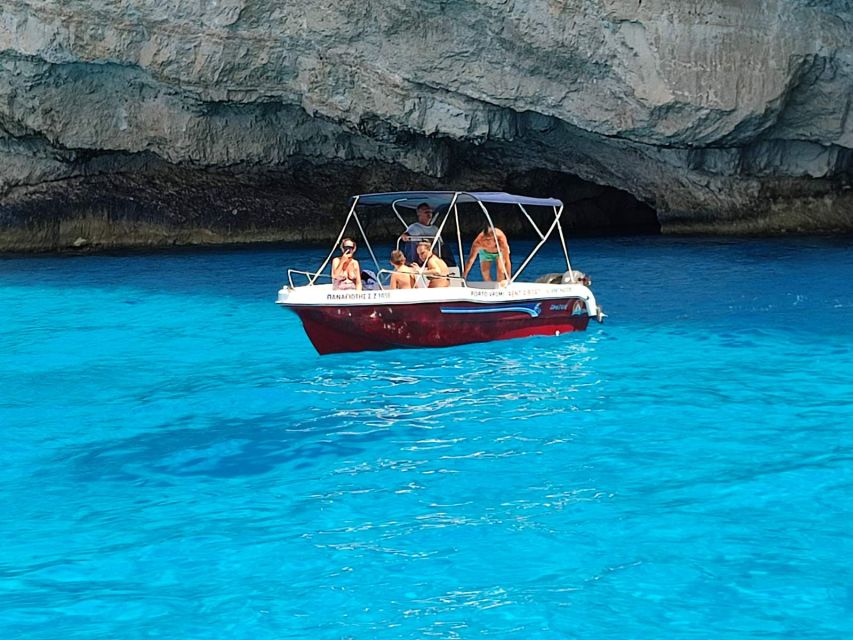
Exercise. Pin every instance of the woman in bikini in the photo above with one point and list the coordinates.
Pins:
(485, 246)
(346, 272)
(404, 276)
(435, 269)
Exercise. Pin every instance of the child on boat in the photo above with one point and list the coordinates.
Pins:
(404, 276)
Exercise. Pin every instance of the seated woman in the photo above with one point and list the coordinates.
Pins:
(404, 276)
(434, 267)
(346, 272)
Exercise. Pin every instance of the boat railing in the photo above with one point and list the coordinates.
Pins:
(440, 248)
(309, 275)
(383, 274)
(417, 239)
(390, 272)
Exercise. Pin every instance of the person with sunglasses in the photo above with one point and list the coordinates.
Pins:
(346, 272)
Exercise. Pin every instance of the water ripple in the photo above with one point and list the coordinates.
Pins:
(180, 463)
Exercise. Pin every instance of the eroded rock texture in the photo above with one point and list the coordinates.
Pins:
(142, 121)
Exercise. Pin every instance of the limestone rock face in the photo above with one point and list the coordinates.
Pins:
(183, 121)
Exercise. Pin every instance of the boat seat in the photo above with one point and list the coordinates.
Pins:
(485, 285)
(369, 281)
(550, 278)
(455, 277)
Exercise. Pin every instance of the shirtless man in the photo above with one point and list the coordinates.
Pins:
(485, 246)
(434, 267)
(404, 276)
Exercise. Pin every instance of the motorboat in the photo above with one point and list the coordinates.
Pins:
(464, 310)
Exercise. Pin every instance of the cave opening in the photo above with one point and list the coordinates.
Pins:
(590, 208)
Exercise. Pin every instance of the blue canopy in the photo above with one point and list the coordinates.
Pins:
(435, 198)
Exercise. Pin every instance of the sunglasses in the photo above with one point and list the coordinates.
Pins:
(349, 247)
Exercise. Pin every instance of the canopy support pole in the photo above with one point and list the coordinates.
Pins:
(459, 239)
(541, 242)
(367, 243)
(440, 229)
(334, 246)
(497, 244)
(524, 211)
(397, 213)
(558, 214)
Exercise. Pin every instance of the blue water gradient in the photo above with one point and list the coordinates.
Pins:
(178, 462)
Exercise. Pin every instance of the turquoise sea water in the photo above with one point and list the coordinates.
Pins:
(177, 462)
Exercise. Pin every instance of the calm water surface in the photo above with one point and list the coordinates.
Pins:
(177, 461)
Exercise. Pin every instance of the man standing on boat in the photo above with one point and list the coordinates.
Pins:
(490, 246)
(422, 229)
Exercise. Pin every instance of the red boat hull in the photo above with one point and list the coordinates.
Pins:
(347, 328)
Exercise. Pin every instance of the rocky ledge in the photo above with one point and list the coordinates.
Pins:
(141, 122)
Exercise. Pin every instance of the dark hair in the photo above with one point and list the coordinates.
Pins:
(487, 228)
(398, 257)
(423, 205)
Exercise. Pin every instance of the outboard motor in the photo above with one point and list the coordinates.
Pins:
(579, 277)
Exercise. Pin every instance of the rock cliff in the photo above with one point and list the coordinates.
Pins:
(144, 122)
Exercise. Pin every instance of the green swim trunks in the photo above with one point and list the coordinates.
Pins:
(487, 256)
